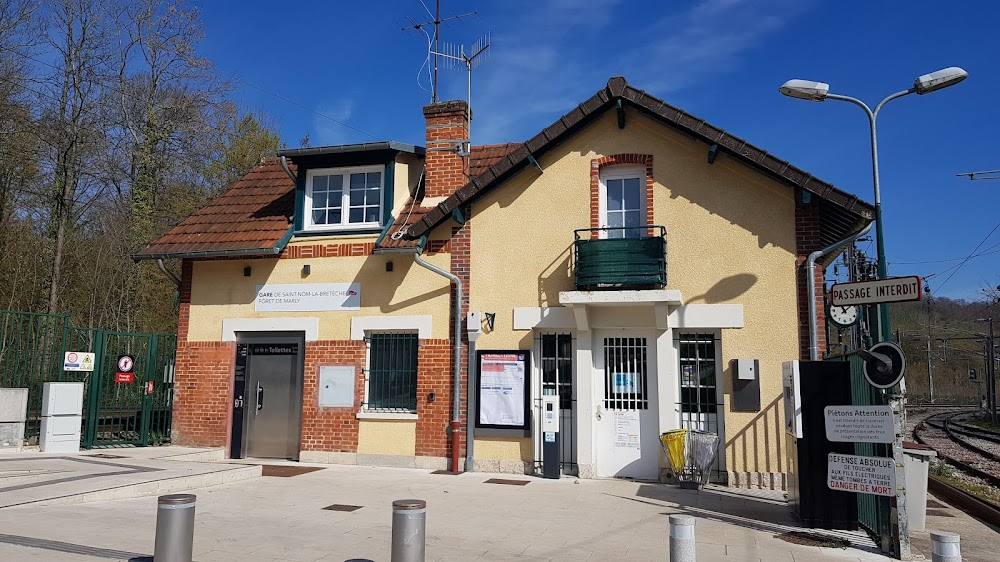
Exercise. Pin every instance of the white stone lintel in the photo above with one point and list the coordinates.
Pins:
(620, 298)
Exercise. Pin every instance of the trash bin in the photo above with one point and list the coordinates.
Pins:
(916, 460)
(674, 445)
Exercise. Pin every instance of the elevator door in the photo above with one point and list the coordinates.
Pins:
(274, 401)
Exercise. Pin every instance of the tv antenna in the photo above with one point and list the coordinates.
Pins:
(986, 175)
(436, 22)
(477, 55)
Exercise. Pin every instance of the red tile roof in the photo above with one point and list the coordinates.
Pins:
(250, 218)
(487, 155)
(253, 215)
(480, 159)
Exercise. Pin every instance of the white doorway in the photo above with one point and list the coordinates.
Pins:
(627, 443)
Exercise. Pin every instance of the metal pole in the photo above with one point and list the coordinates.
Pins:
(682, 538)
(991, 383)
(945, 547)
(174, 528)
(409, 530)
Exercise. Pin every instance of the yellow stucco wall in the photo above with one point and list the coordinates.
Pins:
(501, 449)
(387, 437)
(221, 291)
(730, 239)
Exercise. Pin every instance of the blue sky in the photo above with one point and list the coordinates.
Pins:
(721, 60)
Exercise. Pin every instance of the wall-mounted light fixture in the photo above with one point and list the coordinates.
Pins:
(246, 271)
(491, 318)
(305, 270)
(388, 266)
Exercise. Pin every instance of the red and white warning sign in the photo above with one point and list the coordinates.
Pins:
(126, 366)
(866, 475)
(126, 363)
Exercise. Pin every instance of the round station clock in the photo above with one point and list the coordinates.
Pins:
(843, 316)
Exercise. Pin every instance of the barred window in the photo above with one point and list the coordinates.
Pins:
(391, 377)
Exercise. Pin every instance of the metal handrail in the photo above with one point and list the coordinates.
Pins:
(662, 229)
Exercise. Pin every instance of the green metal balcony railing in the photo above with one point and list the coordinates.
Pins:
(633, 260)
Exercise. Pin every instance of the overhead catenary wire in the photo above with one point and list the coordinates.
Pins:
(968, 257)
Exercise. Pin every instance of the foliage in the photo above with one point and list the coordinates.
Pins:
(112, 130)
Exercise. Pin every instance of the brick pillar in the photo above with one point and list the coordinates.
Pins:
(807, 240)
(203, 373)
(447, 126)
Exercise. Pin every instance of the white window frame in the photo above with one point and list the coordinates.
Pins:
(307, 212)
(620, 173)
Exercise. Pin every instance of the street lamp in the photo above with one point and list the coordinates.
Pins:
(819, 91)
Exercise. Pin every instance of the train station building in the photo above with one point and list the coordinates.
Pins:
(642, 265)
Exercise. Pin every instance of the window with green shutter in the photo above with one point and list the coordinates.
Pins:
(391, 377)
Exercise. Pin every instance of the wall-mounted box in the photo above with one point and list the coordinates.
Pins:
(745, 369)
(746, 385)
(336, 386)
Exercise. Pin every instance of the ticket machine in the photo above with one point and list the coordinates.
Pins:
(551, 461)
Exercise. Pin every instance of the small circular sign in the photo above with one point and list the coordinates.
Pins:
(71, 357)
(125, 364)
(880, 375)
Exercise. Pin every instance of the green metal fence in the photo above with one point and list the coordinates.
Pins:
(32, 350)
(874, 512)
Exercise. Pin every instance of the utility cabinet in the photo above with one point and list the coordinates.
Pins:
(811, 386)
(62, 416)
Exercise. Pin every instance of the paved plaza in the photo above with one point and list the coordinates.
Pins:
(272, 518)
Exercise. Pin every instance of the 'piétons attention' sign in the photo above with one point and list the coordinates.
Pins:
(890, 289)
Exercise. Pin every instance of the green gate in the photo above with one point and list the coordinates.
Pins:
(32, 349)
(874, 512)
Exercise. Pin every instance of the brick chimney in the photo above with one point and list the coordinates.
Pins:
(447, 127)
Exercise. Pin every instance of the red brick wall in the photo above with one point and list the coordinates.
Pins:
(447, 124)
(807, 240)
(328, 250)
(331, 429)
(203, 375)
(595, 184)
(434, 418)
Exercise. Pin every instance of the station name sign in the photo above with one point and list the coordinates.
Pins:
(890, 289)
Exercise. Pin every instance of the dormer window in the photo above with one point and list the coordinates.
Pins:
(343, 198)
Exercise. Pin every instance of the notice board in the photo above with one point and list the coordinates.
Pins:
(502, 393)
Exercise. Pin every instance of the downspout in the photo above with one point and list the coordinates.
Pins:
(811, 282)
(456, 406)
(171, 276)
(284, 166)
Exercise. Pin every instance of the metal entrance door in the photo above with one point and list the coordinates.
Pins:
(274, 400)
(701, 406)
(556, 362)
(627, 443)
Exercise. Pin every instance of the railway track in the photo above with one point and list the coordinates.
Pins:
(974, 451)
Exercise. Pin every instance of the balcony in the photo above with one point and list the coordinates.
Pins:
(636, 262)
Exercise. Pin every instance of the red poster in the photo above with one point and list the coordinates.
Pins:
(124, 377)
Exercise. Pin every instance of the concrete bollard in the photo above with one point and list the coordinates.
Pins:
(174, 528)
(682, 538)
(945, 547)
(409, 530)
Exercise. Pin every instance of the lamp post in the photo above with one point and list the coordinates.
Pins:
(819, 91)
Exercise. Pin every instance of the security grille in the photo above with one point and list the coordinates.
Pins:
(556, 352)
(391, 376)
(625, 374)
(699, 405)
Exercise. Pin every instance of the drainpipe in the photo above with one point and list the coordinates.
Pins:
(456, 407)
(163, 268)
(284, 165)
(811, 282)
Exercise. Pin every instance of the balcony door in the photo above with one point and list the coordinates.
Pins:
(623, 202)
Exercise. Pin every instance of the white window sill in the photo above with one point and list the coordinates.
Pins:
(386, 416)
